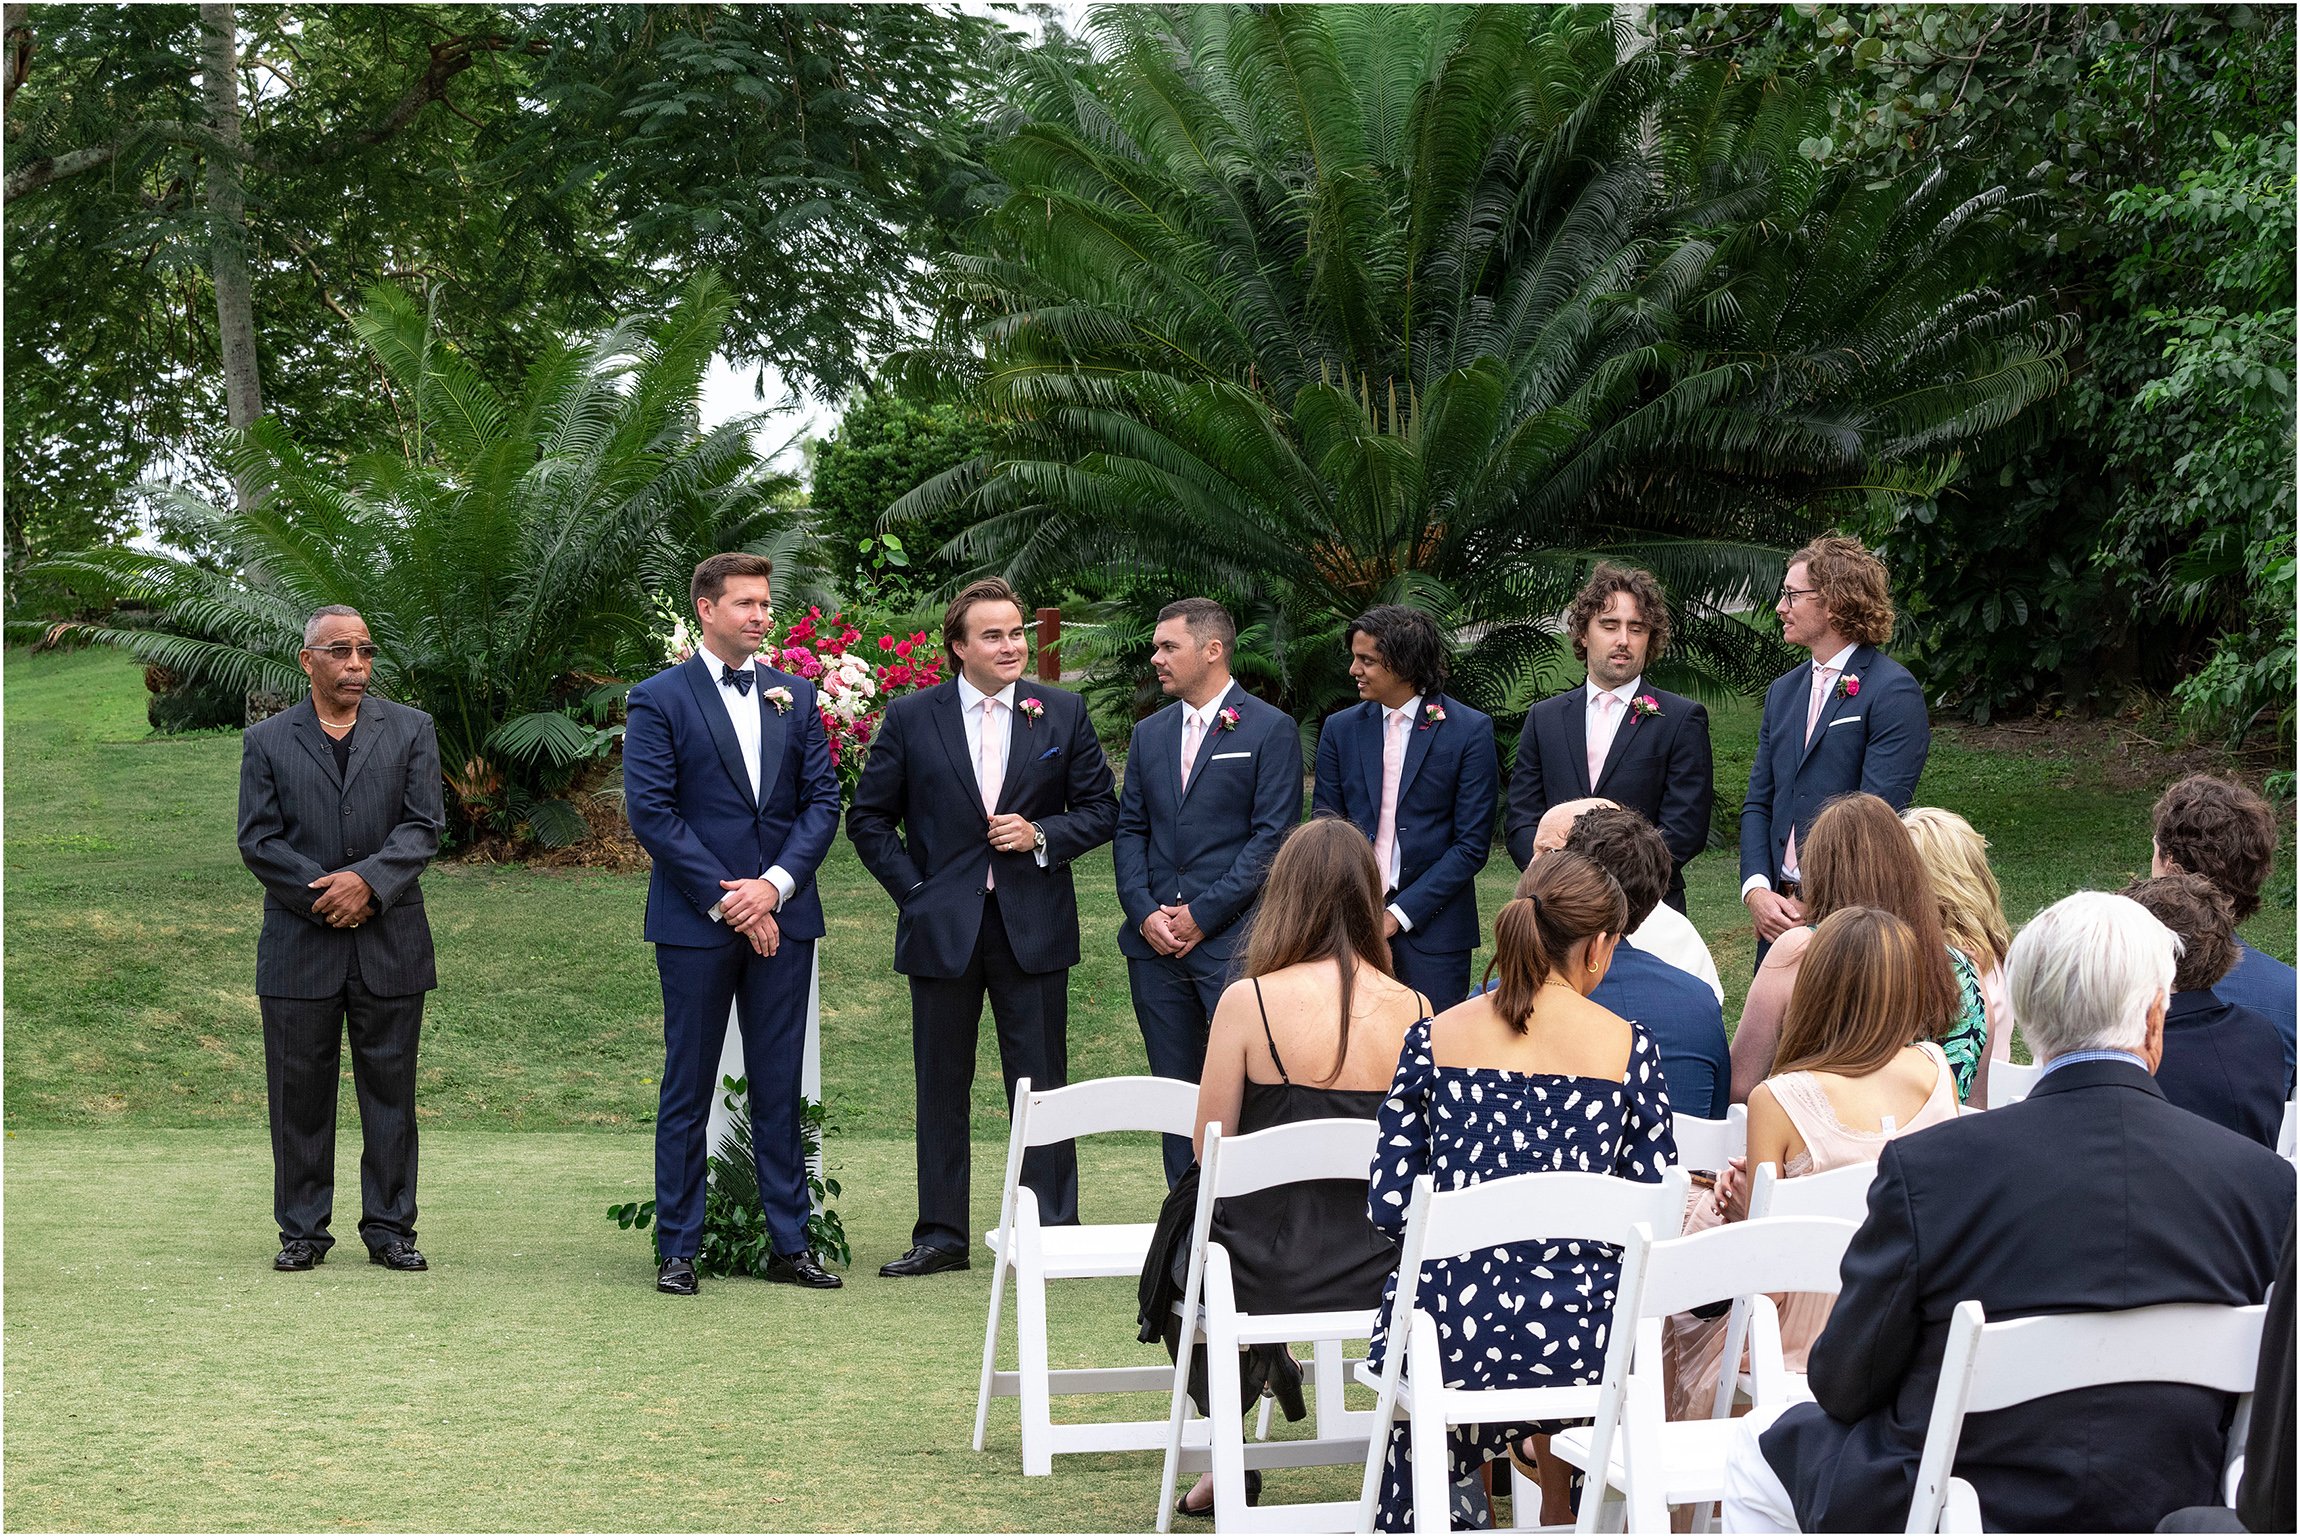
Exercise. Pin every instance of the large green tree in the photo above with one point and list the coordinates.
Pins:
(1319, 307)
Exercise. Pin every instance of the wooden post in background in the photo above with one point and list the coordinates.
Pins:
(1050, 645)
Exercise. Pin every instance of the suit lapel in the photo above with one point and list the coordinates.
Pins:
(1855, 665)
(705, 687)
(308, 732)
(1419, 735)
(950, 729)
(1614, 754)
(773, 724)
(364, 739)
(1365, 741)
(1206, 743)
(1578, 703)
(1021, 751)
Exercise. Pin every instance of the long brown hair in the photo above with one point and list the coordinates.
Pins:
(1562, 899)
(1857, 854)
(1860, 987)
(1322, 901)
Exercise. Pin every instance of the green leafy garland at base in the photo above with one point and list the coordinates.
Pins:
(735, 1238)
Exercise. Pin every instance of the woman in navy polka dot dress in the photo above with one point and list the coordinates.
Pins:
(1530, 1077)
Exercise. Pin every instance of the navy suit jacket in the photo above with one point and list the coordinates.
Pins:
(1873, 741)
(1446, 795)
(2223, 1062)
(1659, 767)
(689, 799)
(1685, 1022)
(918, 824)
(2093, 1194)
(2268, 987)
(1207, 847)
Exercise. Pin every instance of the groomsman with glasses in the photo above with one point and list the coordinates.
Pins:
(1213, 785)
(1416, 770)
(1852, 719)
(978, 794)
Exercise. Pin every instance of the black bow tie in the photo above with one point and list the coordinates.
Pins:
(738, 676)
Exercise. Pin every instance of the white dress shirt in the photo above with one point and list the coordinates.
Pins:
(1836, 667)
(743, 713)
(1600, 727)
(1668, 935)
(970, 701)
(1411, 710)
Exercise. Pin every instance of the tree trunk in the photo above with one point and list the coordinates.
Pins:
(227, 219)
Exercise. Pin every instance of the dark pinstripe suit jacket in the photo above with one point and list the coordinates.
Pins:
(300, 819)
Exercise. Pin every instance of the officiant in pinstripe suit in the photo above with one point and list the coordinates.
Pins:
(340, 810)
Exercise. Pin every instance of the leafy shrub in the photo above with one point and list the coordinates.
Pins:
(735, 1237)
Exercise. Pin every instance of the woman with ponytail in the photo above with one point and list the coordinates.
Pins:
(1310, 1032)
(1526, 1077)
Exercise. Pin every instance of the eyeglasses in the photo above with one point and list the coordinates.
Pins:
(342, 654)
(1790, 595)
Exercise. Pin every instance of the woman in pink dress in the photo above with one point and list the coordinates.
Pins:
(1849, 1080)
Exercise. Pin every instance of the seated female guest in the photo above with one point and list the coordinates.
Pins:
(1972, 912)
(1312, 1031)
(1530, 1077)
(1859, 855)
(2221, 1060)
(1849, 1080)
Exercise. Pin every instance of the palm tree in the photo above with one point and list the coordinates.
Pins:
(517, 558)
(1317, 307)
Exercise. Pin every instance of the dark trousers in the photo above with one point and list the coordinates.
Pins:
(1174, 998)
(1032, 1014)
(1442, 977)
(303, 1046)
(769, 993)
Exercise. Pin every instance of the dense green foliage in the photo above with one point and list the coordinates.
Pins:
(519, 556)
(1314, 308)
(884, 446)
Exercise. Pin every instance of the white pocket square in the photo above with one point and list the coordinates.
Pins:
(1218, 757)
(1843, 720)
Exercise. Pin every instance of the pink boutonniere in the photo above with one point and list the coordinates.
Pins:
(1228, 717)
(1431, 715)
(1645, 704)
(1032, 709)
(1848, 687)
(780, 698)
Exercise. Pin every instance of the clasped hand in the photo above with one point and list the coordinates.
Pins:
(1773, 913)
(1172, 931)
(345, 899)
(749, 908)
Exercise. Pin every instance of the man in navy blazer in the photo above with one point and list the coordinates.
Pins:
(1615, 737)
(2092, 1195)
(1213, 784)
(1415, 769)
(1851, 719)
(728, 782)
(977, 795)
(2221, 830)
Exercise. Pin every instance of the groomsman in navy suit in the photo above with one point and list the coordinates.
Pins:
(1417, 771)
(977, 795)
(1616, 737)
(728, 782)
(1213, 784)
(1851, 719)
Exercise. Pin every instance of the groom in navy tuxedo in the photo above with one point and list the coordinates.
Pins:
(1417, 772)
(1852, 719)
(1213, 785)
(728, 782)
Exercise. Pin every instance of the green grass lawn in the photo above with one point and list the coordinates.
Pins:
(160, 1377)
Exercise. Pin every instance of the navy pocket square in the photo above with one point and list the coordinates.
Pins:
(1049, 753)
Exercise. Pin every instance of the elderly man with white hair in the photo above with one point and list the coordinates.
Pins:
(2094, 1194)
(1668, 934)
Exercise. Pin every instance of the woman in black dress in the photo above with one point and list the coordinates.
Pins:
(1310, 1031)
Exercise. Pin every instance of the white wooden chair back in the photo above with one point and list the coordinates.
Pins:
(2010, 1081)
(1101, 1105)
(1706, 1144)
(1842, 1193)
(2288, 1135)
(1991, 1366)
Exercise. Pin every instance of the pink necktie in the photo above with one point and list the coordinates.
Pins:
(1600, 740)
(990, 763)
(1192, 731)
(1822, 678)
(1393, 768)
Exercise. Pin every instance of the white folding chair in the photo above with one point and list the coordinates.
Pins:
(1841, 1193)
(2009, 1081)
(2288, 1135)
(1036, 1254)
(1706, 1144)
(1987, 1367)
(1657, 1462)
(1519, 1210)
(1236, 1166)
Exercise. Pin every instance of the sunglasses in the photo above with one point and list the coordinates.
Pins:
(342, 654)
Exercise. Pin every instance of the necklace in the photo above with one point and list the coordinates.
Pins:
(337, 725)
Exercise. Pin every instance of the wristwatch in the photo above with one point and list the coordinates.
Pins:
(1037, 838)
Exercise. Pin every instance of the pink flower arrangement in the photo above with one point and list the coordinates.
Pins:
(1645, 704)
(1848, 687)
(1033, 709)
(1228, 716)
(851, 692)
(1431, 715)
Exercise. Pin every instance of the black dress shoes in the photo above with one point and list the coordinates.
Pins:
(298, 1254)
(399, 1254)
(801, 1270)
(925, 1259)
(676, 1277)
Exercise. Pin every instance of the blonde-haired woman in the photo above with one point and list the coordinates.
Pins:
(1972, 910)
